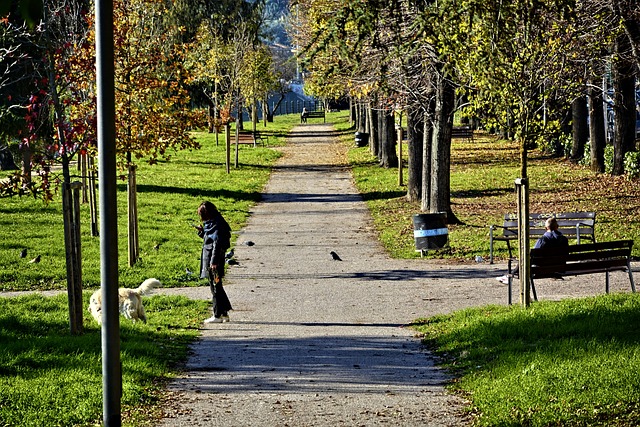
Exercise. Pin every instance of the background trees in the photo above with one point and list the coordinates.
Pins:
(517, 68)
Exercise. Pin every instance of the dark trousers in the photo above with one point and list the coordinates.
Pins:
(221, 303)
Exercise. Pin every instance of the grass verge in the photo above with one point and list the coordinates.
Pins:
(568, 363)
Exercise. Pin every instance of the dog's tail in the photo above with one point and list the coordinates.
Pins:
(147, 286)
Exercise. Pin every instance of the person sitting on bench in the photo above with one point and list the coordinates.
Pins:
(552, 238)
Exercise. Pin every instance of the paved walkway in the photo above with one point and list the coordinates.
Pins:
(318, 342)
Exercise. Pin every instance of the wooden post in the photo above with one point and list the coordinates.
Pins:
(237, 146)
(83, 173)
(134, 246)
(227, 133)
(523, 241)
(71, 218)
(93, 204)
(399, 133)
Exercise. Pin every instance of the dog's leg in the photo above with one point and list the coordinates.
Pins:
(141, 314)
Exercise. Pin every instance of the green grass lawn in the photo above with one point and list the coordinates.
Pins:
(568, 363)
(50, 378)
(168, 195)
(482, 191)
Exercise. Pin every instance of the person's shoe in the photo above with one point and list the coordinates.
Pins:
(225, 318)
(213, 319)
(503, 279)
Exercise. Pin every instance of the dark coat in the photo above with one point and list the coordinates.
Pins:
(552, 239)
(216, 236)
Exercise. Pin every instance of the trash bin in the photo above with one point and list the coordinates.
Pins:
(430, 231)
(362, 139)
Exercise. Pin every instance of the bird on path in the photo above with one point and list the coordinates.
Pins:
(229, 254)
(249, 243)
(335, 256)
(35, 260)
(232, 261)
(23, 253)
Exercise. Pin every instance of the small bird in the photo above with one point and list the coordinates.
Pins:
(249, 243)
(229, 254)
(232, 261)
(23, 253)
(35, 260)
(156, 247)
(189, 272)
(335, 256)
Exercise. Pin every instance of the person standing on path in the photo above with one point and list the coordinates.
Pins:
(216, 235)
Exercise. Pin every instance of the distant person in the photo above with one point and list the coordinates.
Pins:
(551, 239)
(216, 239)
(304, 115)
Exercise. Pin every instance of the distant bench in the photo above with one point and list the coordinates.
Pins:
(588, 258)
(465, 132)
(246, 138)
(313, 115)
(574, 225)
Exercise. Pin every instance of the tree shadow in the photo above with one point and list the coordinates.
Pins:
(321, 363)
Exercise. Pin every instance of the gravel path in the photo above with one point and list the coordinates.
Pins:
(318, 342)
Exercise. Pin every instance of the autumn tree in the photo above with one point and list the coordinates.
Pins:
(58, 121)
(153, 117)
(257, 77)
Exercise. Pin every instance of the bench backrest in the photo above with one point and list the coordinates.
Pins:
(548, 262)
(568, 224)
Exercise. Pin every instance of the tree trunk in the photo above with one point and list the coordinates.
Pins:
(388, 156)
(373, 129)
(623, 106)
(26, 164)
(211, 117)
(360, 119)
(415, 144)
(427, 135)
(352, 112)
(579, 127)
(441, 150)
(240, 118)
(627, 12)
(597, 138)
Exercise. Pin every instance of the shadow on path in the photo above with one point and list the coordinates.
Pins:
(353, 364)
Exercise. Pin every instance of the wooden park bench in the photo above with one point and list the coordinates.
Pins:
(313, 115)
(588, 258)
(574, 225)
(465, 132)
(248, 138)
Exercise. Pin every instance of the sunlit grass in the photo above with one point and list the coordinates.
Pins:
(573, 362)
(483, 173)
(168, 196)
(51, 378)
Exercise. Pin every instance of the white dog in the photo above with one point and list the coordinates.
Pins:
(129, 300)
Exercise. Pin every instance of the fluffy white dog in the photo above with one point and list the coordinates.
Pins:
(130, 301)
